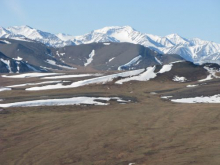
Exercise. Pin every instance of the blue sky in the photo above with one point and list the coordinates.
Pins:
(188, 18)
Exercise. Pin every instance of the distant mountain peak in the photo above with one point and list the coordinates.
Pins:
(195, 49)
(113, 28)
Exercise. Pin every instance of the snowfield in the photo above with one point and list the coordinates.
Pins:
(111, 59)
(158, 61)
(64, 101)
(30, 75)
(106, 43)
(98, 80)
(89, 60)
(134, 61)
(179, 79)
(5, 41)
(18, 58)
(166, 97)
(166, 68)
(138, 75)
(71, 76)
(51, 62)
(40, 83)
(7, 63)
(4, 89)
(202, 99)
(191, 86)
(145, 76)
(209, 77)
(212, 71)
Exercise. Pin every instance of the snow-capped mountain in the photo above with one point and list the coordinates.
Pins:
(196, 50)
(29, 33)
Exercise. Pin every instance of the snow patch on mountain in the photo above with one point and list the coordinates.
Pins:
(158, 61)
(18, 58)
(52, 62)
(179, 79)
(5, 41)
(131, 63)
(209, 77)
(106, 43)
(166, 68)
(111, 59)
(30, 75)
(71, 76)
(7, 63)
(89, 60)
(145, 76)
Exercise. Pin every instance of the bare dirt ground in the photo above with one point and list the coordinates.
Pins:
(150, 130)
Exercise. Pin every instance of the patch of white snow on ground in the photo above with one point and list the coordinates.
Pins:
(106, 43)
(30, 75)
(209, 77)
(158, 61)
(7, 63)
(40, 83)
(63, 101)
(166, 68)
(145, 76)
(111, 59)
(52, 62)
(130, 63)
(191, 86)
(212, 71)
(18, 67)
(18, 58)
(5, 41)
(98, 80)
(4, 89)
(57, 53)
(177, 61)
(21, 39)
(202, 99)
(179, 79)
(166, 97)
(71, 76)
(32, 68)
(89, 60)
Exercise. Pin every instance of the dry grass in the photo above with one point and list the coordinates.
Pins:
(150, 131)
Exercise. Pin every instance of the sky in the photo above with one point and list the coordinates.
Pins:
(188, 18)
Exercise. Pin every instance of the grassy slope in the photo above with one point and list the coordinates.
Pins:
(151, 131)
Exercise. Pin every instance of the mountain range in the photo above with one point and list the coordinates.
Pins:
(98, 56)
(194, 50)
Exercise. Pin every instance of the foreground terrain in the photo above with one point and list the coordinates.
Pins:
(146, 129)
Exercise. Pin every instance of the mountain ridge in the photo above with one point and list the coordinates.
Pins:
(195, 50)
(94, 56)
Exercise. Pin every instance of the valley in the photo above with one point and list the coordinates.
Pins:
(145, 128)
